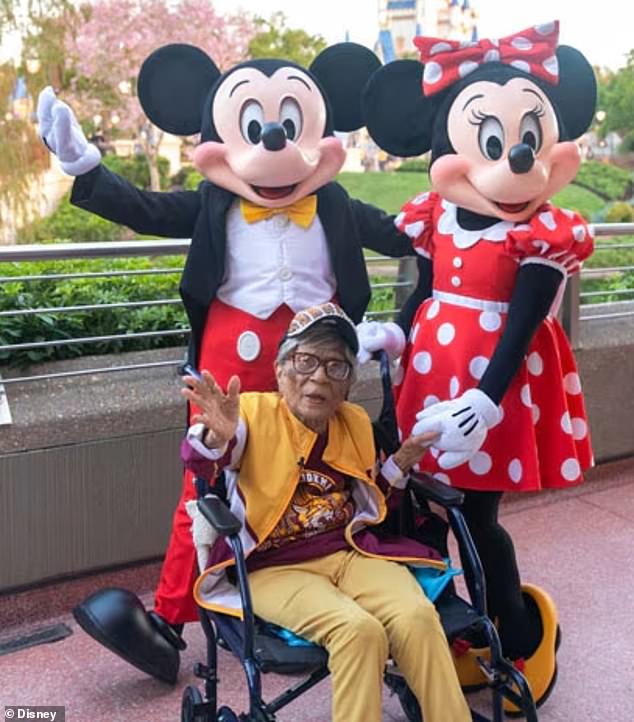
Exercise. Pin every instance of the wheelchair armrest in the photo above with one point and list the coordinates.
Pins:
(219, 516)
(426, 487)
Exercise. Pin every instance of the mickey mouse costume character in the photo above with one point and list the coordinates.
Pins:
(271, 235)
(487, 364)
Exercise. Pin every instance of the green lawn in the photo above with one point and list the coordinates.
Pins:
(386, 190)
(579, 199)
(390, 190)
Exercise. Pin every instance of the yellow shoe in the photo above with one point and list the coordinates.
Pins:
(540, 669)
(468, 670)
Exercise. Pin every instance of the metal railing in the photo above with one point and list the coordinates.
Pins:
(578, 300)
(140, 249)
(403, 272)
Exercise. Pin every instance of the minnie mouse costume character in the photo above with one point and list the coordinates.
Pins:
(271, 235)
(486, 364)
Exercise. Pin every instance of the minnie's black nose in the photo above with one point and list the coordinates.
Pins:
(273, 136)
(521, 158)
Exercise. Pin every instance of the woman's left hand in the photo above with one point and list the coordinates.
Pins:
(412, 449)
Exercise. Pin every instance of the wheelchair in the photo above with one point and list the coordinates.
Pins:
(261, 651)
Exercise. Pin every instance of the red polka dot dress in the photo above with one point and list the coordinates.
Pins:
(542, 439)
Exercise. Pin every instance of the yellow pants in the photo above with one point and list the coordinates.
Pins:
(363, 610)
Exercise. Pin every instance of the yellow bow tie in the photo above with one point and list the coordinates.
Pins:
(301, 212)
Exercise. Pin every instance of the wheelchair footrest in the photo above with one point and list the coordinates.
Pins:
(456, 615)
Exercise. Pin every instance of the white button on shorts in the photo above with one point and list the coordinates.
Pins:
(249, 346)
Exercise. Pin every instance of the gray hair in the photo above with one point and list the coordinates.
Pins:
(317, 334)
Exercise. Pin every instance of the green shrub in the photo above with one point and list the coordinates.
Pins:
(134, 168)
(84, 291)
(192, 180)
(607, 285)
(620, 212)
(606, 180)
(187, 178)
(627, 144)
(383, 299)
(414, 165)
(68, 223)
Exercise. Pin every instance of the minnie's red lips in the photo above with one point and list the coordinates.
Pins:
(274, 193)
(512, 207)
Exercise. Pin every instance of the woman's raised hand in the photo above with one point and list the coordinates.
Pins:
(217, 411)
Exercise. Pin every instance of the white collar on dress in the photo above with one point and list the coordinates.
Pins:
(448, 225)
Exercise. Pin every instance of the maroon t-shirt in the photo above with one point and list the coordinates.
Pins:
(314, 522)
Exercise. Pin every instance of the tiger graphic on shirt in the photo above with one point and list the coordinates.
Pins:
(320, 503)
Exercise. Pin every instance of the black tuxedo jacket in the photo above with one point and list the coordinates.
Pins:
(349, 224)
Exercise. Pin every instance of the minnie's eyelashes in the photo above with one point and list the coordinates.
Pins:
(478, 117)
(538, 110)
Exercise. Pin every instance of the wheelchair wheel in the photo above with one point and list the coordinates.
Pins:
(191, 698)
(226, 715)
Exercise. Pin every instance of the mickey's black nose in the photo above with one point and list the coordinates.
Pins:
(521, 158)
(273, 136)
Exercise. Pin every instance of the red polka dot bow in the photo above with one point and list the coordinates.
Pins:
(532, 50)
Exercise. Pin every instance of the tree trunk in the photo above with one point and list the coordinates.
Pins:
(155, 178)
(152, 139)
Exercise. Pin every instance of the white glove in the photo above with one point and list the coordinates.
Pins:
(374, 336)
(203, 534)
(462, 423)
(63, 135)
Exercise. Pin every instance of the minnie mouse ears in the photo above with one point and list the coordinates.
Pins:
(343, 71)
(575, 96)
(403, 121)
(172, 86)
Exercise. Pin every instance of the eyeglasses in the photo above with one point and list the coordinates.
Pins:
(307, 363)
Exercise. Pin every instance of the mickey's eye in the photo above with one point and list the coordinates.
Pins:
(531, 131)
(491, 138)
(291, 118)
(251, 121)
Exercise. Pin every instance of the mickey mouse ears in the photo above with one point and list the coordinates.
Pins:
(172, 86)
(175, 81)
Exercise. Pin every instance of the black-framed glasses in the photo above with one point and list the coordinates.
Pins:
(308, 363)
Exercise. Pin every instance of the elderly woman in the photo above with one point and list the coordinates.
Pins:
(300, 470)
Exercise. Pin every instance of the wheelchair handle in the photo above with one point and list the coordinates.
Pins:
(386, 420)
(219, 516)
(430, 489)
(187, 369)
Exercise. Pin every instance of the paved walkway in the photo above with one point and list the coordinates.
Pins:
(578, 544)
